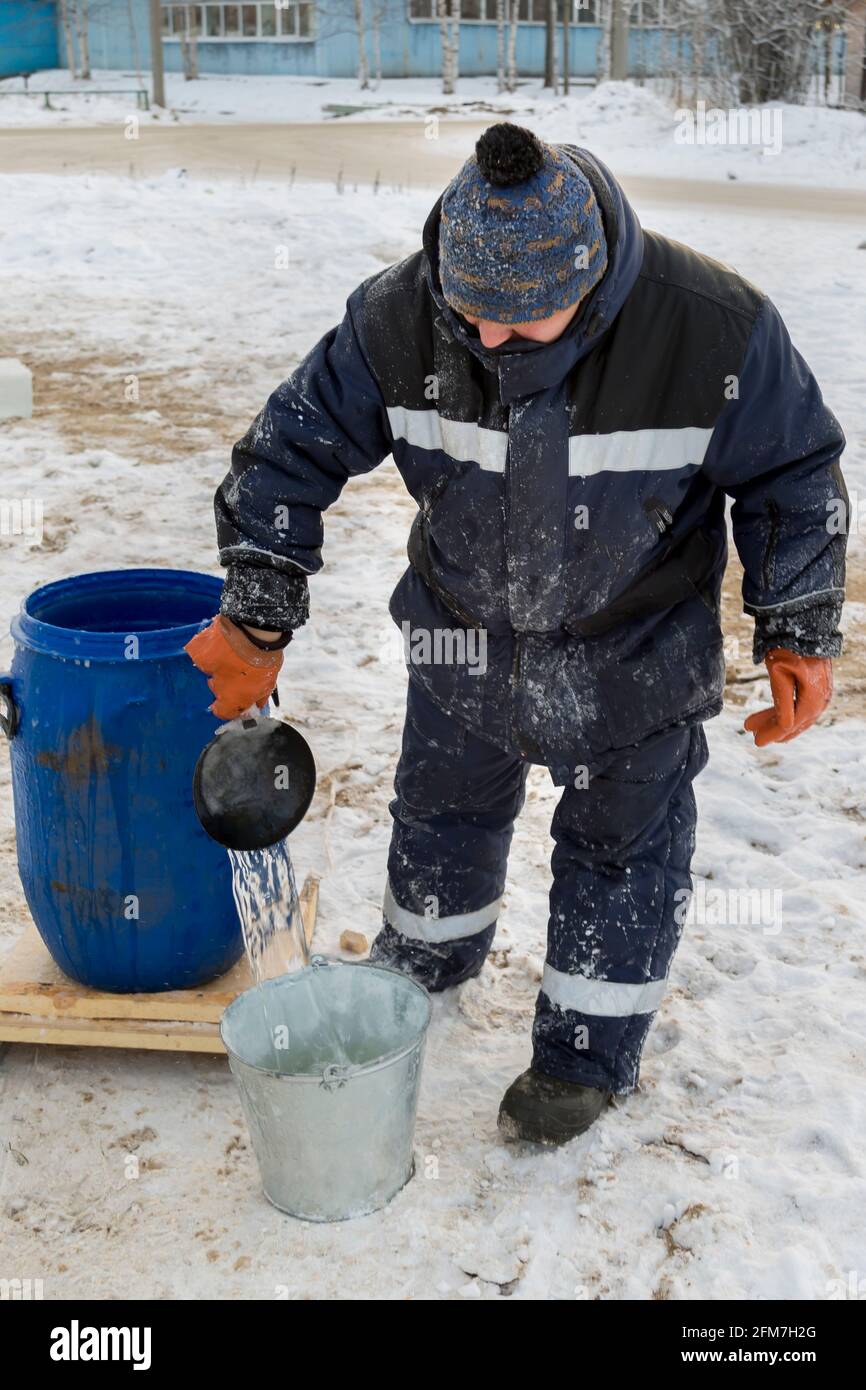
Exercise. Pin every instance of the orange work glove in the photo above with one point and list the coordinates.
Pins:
(240, 674)
(801, 686)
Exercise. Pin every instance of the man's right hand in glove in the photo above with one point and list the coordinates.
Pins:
(240, 673)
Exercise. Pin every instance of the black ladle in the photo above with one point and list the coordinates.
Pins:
(253, 783)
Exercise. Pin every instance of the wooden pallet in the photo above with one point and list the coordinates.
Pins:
(39, 1004)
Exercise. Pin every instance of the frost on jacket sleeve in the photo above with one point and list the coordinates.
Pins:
(322, 426)
(775, 450)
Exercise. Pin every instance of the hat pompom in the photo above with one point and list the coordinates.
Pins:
(508, 154)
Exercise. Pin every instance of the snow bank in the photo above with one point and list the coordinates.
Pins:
(632, 128)
(636, 132)
(240, 98)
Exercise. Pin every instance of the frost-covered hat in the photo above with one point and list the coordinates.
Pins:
(521, 234)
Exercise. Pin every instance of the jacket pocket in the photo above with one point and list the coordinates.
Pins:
(672, 672)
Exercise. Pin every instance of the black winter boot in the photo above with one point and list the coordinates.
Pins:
(434, 967)
(544, 1110)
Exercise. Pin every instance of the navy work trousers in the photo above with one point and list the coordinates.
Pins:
(624, 838)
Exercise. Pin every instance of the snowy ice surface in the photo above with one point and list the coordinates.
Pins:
(632, 128)
(738, 1169)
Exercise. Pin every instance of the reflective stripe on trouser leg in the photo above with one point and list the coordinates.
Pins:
(437, 929)
(456, 800)
(620, 887)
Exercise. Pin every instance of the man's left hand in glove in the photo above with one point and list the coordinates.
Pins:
(802, 687)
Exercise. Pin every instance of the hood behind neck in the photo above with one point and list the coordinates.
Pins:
(525, 367)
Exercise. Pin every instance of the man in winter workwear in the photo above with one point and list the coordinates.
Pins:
(569, 400)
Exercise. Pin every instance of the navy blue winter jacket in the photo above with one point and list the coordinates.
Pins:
(571, 495)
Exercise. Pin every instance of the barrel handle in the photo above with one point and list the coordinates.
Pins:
(9, 717)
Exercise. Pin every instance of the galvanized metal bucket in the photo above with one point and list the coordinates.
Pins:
(328, 1062)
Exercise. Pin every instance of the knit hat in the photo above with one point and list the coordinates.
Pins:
(520, 234)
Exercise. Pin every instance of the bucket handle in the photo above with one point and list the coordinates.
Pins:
(334, 1077)
(9, 715)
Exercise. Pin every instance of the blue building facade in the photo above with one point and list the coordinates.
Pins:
(28, 36)
(319, 38)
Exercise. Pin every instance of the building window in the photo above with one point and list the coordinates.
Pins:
(532, 11)
(529, 11)
(471, 11)
(647, 14)
(265, 19)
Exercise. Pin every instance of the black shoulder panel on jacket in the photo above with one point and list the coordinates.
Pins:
(413, 354)
(398, 332)
(676, 266)
(673, 355)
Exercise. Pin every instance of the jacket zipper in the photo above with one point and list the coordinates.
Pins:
(517, 662)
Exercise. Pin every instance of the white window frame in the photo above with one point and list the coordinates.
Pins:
(286, 13)
(576, 21)
(661, 23)
(577, 5)
(433, 18)
(598, 20)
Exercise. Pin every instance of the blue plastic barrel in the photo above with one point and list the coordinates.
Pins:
(107, 716)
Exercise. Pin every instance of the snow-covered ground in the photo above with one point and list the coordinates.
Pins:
(737, 1170)
(634, 129)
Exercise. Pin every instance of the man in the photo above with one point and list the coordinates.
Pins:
(569, 400)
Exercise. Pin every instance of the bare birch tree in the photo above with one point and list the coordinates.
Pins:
(133, 39)
(852, 90)
(81, 25)
(157, 63)
(364, 25)
(769, 46)
(746, 51)
(698, 55)
(449, 34)
(69, 43)
(363, 68)
(189, 43)
(566, 25)
(605, 43)
(500, 45)
(550, 44)
(511, 65)
(376, 30)
(618, 35)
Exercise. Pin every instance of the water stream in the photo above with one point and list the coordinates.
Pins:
(266, 897)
